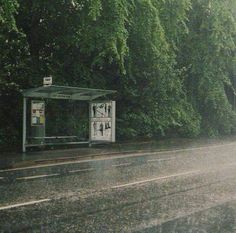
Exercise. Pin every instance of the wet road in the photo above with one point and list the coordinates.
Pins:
(189, 190)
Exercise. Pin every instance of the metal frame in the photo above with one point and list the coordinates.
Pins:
(58, 92)
(65, 92)
(24, 124)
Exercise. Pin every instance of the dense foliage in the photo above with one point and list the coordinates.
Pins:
(171, 61)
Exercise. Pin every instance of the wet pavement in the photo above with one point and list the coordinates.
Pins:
(183, 190)
(50, 154)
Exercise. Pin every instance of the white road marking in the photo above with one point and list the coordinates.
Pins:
(137, 154)
(1, 178)
(36, 177)
(23, 204)
(82, 170)
(159, 160)
(121, 165)
(155, 179)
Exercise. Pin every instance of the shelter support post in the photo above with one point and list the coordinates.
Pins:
(24, 125)
(90, 115)
(113, 136)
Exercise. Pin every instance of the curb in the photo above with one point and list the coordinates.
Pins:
(23, 164)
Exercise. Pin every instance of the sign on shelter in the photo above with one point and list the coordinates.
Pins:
(47, 81)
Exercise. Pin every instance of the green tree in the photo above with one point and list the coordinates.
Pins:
(13, 69)
(152, 88)
(208, 52)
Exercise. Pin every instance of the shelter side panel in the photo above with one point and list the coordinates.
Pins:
(102, 125)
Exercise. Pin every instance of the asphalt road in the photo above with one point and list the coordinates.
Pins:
(180, 191)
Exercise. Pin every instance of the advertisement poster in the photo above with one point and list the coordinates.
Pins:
(102, 120)
(37, 113)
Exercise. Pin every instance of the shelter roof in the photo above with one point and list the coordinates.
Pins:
(65, 92)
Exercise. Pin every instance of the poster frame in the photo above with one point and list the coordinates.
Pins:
(111, 117)
(40, 124)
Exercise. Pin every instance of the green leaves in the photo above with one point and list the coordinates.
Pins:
(210, 51)
(95, 9)
(7, 12)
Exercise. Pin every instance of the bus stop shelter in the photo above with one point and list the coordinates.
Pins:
(60, 92)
